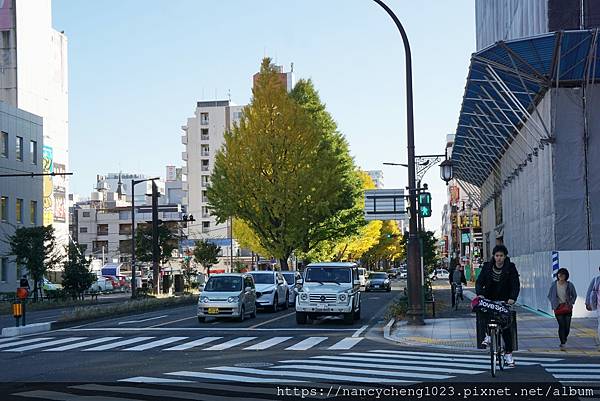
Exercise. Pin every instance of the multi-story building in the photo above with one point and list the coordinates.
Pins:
(21, 141)
(35, 79)
(377, 177)
(112, 181)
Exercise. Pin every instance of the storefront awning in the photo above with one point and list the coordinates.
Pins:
(505, 83)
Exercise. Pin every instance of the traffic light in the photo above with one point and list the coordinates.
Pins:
(425, 204)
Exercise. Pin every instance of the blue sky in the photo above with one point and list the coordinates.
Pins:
(137, 68)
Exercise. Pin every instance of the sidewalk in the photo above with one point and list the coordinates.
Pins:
(536, 332)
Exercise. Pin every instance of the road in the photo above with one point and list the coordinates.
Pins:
(135, 357)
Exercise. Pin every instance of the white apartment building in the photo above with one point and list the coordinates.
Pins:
(377, 177)
(110, 183)
(34, 78)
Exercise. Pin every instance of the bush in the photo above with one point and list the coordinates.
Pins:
(397, 309)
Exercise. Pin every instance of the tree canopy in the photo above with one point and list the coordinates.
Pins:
(77, 277)
(167, 242)
(206, 253)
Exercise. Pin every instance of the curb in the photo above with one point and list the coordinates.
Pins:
(388, 328)
(28, 329)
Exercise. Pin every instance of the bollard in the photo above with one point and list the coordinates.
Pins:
(17, 309)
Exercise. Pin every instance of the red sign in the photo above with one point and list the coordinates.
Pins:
(22, 293)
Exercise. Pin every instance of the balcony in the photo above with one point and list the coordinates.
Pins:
(205, 215)
(205, 199)
(184, 186)
(184, 155)
(184, 139)
(204, 168)
(205, 184)
(204, 152)
(204, 122)
(204, 137)
(184, 170)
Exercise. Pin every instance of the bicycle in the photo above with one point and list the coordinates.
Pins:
(500, 320)
(458, 294)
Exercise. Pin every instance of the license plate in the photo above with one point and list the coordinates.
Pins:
(321, 306)
(376, 286)
(213, 311)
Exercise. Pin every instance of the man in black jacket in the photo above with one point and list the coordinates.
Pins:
(499, 281)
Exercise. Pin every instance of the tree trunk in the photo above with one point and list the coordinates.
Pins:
(284, 264)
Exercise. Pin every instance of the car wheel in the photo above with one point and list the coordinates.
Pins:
(275, 306)
(201, 319)
(242, 314)
(357, 313)
(253, 314)
(301, 317)
(349, 317)
(285, 303)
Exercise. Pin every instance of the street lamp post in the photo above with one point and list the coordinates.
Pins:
(133, 277)
(415, 298)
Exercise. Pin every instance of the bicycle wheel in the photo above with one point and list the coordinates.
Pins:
(493, 352)
(500, 351)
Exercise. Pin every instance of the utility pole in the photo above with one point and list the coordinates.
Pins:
(155, 247)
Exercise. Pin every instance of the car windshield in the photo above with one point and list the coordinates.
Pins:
(223, 284)
(263, 278)
(289, 278)
(378, 276)
(362, 272)
(327, 275)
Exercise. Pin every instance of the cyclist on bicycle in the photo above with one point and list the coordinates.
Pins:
(457, 277)
(499, 281)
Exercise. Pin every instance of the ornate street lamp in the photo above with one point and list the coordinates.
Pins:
(446, 172)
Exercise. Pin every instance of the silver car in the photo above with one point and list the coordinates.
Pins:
(228, 295)
(292, 279)
(271, 290)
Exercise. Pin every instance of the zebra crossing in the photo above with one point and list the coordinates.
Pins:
(369, 366)
(177, 343)
(569, 373)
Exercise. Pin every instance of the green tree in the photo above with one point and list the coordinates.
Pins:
(247, 238)
(206, 253)
(35, 249)
(390, 246)
(167, 242)
(430, 254)
(283, 173)
(77, 277)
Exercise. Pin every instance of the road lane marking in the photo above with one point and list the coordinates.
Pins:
(368, 372)
(306, 344)
(359, 331)
(119, 343)
(147, 379)
(46, 344)
(520, 358)
(471, 364)
(267, 343)
(229, 344)
(235, 378)
(346, 343)
(154, 344)
(173, 321)
(306, 375)
(21, 342)
(143, 320)
(179, 329)
(83, 344)
(272, 320)
(192, 344)
(59, 396)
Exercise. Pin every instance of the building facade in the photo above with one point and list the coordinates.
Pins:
(21, 200)
(112, 181)
(377, 177)
(34, 78)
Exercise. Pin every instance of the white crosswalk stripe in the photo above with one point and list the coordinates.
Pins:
(307, 343)
(230, 344)
(82, 344)
(44, 344)
(119, 344)
(574, 372)
(234, 377)
(268, 343)
(192, 344)
(155, 344)
(346, 343)
(21, 342)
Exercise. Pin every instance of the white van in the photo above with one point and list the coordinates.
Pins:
(362, 276)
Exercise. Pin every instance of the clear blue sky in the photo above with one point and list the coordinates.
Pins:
(137, 68)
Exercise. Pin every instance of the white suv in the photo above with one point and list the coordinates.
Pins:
(329, 289)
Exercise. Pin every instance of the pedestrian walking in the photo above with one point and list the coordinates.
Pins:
(592, 300)
(499, 281)
(562, 297)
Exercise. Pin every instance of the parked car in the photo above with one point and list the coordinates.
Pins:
(329, 289)
(292, 278)
(47, 285)
(228, 295)
(102, 284)
(378, 281)
(271, 290)
(115, 283)
(439, 274)
(362, 276)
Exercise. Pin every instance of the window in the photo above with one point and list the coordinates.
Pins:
(4, 270)
(205, 150)
(4, 208)
(203, 118)
(205, 211)
(125, 246)
(204, 166)
(83, 229)
(205, 226)
(99, 246)
(4, 144)
(102, 229)
(33, 151)
(204, 196)
(124, 229)
(248, 282)
(33, 212)
(19, 149)
(19, 210)
(86, 214)
(6, 39)
(204, 134)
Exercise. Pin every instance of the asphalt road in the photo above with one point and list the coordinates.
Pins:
(168, 353)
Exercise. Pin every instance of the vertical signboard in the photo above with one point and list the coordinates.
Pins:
(171, 173)
(59, 189)
(48, 167)
(6, 15)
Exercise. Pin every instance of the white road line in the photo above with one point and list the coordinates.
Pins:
(480, 359)
(267, 343)
(3, 340)
(346, 343)
(46, 344)
(306, 344)
(367, 372)
(235, 378)
(229, 344)
(154, 344)
(389, 367)
(192, 344)
(59, 396)
(471, 364)
(271, 321)
(83, 344)
(532, 359)
(359, 331)
(571, 365)
(143, 320)
(174, 321)
(29, 341)
(119, 343)
(581, 377)
(306, 375)
(180, 329)
(573, 370)
(148, 379)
